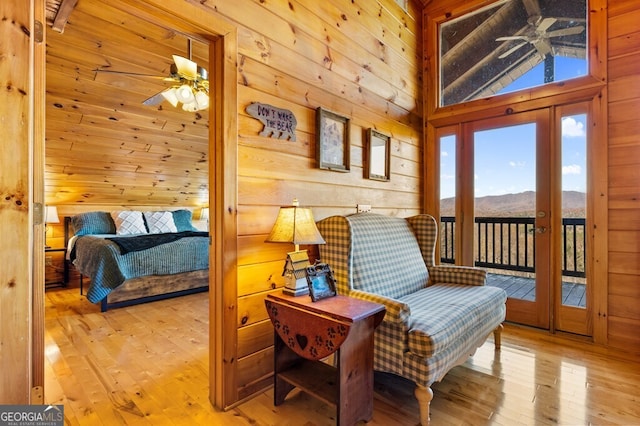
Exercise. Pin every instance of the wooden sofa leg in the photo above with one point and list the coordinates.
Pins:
(424, 395)
(497, 336)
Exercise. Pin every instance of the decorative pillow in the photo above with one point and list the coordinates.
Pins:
(160, 222)
(93, 223)
(182, 219)
(128, 222)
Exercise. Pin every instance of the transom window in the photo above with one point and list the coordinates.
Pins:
(512, 45)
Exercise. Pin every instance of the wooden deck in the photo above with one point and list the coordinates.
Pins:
(524, 288)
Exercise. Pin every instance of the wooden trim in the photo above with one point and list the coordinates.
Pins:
(37, 300)
(223, 154)
(465, 205)
(598, 217)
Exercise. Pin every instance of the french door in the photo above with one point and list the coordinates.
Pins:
(508, 194)
(513, 177)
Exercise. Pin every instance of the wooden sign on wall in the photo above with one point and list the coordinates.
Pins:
(278, 123)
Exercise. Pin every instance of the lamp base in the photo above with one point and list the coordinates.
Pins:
(296, 293)
(298, 288)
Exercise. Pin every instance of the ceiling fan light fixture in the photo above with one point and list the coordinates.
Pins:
(202, 99)
(170, 96)
(185, 94)
(191, 106)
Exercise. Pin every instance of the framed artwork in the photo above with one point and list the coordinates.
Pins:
(378, 157)
(332, 141)
(320, 281)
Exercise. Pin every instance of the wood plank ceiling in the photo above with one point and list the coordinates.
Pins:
(103, 146)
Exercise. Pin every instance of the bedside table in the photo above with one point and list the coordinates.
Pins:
(305, 332)
(65, 268)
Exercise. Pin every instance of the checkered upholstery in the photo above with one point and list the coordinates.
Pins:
(435, 314)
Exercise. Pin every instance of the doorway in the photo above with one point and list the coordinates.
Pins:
(222, 147)
(523, 177)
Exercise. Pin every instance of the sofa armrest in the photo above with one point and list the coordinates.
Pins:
(451, 274)
(397, 312)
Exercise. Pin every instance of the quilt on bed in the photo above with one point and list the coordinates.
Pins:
(100, 259)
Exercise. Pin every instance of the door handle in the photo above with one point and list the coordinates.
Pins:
(538, 230)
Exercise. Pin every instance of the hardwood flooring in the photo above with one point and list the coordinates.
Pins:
(148, 365)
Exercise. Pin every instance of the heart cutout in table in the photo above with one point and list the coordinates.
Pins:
(302, 340)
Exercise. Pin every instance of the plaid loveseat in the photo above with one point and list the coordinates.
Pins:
(436, 315)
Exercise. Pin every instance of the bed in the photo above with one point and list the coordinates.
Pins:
(134, 257)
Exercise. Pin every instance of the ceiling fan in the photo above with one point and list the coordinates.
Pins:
(190, 88)
(539, 36)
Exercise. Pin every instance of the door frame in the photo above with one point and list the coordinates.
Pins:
(221, 35)
(593, 321)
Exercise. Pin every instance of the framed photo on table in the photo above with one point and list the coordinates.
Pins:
(378, 157)
(321, 282)
(332, 141)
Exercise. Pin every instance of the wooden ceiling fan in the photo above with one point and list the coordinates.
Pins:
(190, 87)
(539, 36)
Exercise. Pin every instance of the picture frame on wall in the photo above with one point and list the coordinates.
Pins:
(378, 156)
(332, 141)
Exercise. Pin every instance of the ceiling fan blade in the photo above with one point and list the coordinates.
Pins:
(136, 74)
(543, 47)
(512, 38)
(566, 31)
(186, 67)
(545, 24)
(155, 99)
(513, 49)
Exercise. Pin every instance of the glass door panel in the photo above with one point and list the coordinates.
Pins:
(570, 275)
(511, 211)
(574, 210)
(447, 198)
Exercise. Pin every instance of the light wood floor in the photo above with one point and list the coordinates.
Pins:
(148, 365)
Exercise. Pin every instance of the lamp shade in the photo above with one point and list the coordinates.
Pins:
(295, 225)
(204, 213)
(51, 214)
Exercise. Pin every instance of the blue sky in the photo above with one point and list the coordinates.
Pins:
(505, 157)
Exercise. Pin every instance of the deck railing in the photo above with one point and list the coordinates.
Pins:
(508, 243)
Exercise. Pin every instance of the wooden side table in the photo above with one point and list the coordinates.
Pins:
(65, 267)
(305, 332)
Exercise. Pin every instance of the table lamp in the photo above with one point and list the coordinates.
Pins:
(295, 224)
(50, 216)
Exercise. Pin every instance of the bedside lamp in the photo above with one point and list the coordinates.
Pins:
(50, 216)
(204, 214)
(295, 224)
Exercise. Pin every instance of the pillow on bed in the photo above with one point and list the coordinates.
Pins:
(93, 223)
(182, 219)
(160, 222)
(129, 222)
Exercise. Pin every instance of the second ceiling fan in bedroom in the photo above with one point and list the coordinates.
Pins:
(190, 88)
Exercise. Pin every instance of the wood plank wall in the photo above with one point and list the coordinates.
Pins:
(359, 60)
(15, 205)
(624, 174)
